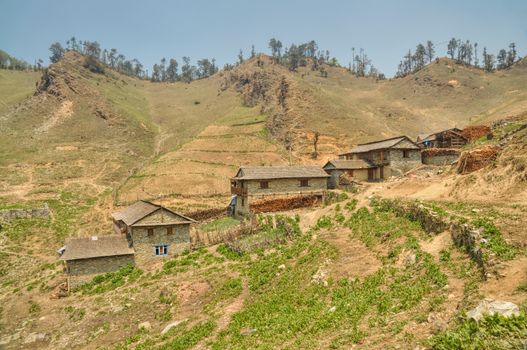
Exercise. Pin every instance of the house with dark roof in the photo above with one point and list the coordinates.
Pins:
(252, 183)
(390, 156)
(341, 171)
(449, 138)
(145, 233)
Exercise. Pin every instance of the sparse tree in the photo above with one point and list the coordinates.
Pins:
(511, 54)
(430, 51)
(276, 48)
(488, 61)
(502, 59)
(253, 52)
(171, 70)
(240, 57)
(186, 70)
(452, 47)
(57, 52)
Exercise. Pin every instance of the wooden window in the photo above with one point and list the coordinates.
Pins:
(406, 154)
(161, 250)
(304, 183)
(350, 172)
(243, 202)
(170, 230)
(150, 231)
(264, 184)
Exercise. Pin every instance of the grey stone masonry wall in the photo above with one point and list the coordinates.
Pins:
(398, 162)
(278, 186)
(83, 270)
(12, 214)
(440, 159)
(144, 245)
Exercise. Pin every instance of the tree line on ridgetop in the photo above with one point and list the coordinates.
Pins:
(463, 52)
(292, 57)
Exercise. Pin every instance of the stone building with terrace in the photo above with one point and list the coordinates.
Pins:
(144, 234)
(393, 156)
(255, 183)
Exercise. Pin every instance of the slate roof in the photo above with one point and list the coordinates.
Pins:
(378, 145)
(96, 247)
(279, 172)
(137, 211)
(349, 164)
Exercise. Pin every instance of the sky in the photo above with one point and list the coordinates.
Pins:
(150, 30)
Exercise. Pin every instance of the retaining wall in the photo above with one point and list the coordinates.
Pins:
(29, 213)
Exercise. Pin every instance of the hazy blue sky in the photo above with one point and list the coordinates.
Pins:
(149, 30)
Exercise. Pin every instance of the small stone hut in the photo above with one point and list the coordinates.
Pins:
(89, 256)
(391, 156)
(343, 170)
(253, 183)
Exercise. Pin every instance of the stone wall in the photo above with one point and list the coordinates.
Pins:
(144, 245)
(440, 159)
(397, 160)
(83, 270)
(278, 186)
(463, 235)
(11, 214)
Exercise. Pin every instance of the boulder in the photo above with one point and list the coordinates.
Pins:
(492, 307)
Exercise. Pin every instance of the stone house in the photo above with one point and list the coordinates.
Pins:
(341, 171)
(90, 256)
(450, 138)
(145, 233)
(153, 231)
(392, 156)
(252, 183)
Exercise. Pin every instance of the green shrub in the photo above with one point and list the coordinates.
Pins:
(496, 243)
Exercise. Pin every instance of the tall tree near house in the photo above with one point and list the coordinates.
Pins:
(57, 52)
(452, 47)
(429, 51)
(502, 59)
(171, 70)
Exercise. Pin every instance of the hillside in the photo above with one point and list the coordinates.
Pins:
(348, 273)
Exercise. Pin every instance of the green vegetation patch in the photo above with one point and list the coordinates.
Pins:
(494, 332)
(495, 241)
(111, 280)
(220, 224)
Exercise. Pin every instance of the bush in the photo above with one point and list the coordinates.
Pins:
(93, 65)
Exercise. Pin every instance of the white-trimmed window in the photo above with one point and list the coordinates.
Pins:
(161, 250)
